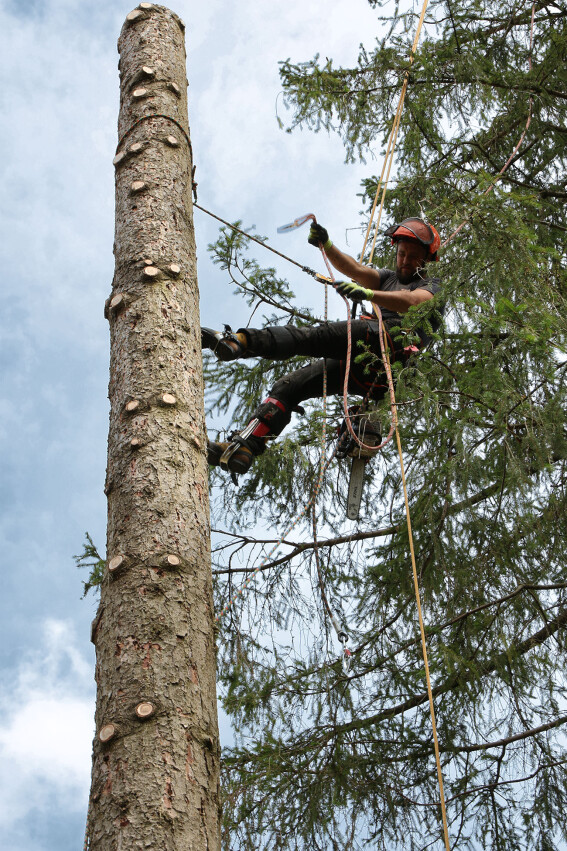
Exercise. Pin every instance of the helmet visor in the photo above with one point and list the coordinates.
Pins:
(412, 229)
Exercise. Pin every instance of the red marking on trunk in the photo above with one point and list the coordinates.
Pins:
(189, 774)
(147, 660)
(168, 795)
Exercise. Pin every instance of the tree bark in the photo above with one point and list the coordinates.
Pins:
(155, 779)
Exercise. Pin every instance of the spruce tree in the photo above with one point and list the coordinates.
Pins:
(156, 753)
(325, 759)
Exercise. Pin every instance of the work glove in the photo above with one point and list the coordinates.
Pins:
(318, 236)
(352, 290)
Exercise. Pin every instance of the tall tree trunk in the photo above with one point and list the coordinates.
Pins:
(156, 749)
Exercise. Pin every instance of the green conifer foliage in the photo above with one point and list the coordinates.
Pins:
(328, 760)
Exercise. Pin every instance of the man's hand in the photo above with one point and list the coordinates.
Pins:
(319, 236)
(353, 291)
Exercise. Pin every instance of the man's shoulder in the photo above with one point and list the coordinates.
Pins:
(390, 281)
(432, 285)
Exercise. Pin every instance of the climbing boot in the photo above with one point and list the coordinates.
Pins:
(237, 455)
(224, 345)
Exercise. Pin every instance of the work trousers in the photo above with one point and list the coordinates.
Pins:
(328, 341)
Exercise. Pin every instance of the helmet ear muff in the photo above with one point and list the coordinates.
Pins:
(418, 230)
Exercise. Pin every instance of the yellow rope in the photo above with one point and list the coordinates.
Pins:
(421, 626)
(389, 158)
(424, 648)
(382, 185)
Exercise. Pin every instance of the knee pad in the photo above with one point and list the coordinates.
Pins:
(273, 416)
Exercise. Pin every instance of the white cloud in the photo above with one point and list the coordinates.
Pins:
(243, 158)
(46, 730)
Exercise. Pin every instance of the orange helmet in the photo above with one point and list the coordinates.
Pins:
(419, 230)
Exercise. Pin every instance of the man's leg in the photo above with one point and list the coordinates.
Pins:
(274, 413)
(279, 342)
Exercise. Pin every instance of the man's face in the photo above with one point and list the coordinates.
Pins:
(410, 258)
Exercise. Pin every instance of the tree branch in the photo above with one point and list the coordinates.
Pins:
(534, 731)
(299, 548)
(457, 680)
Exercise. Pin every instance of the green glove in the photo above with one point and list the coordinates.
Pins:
(319, 236)
(352, 290)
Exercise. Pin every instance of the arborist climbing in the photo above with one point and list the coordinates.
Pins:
(394, 292)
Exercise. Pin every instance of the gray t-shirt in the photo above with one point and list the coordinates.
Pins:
(390, 281)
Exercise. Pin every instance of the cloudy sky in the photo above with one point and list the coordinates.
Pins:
(59, 103)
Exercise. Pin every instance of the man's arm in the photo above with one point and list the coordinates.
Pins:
(399, 301)
(366, 276)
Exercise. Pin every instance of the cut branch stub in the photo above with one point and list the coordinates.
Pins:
(95, 625)
(134, 15)
(137, 186)
(115, 304)
(107, 733)
(174, 88)
(145, 710)
(147, 71)
(146, 5)
(172, 141)
(139, 94)
(136, 442)
(151, 272)
(118, 158)
(132, 406)
(168, 399)
(175, 269)
(117, 301)
(171, 560)
(116, 564)
(136, 147)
